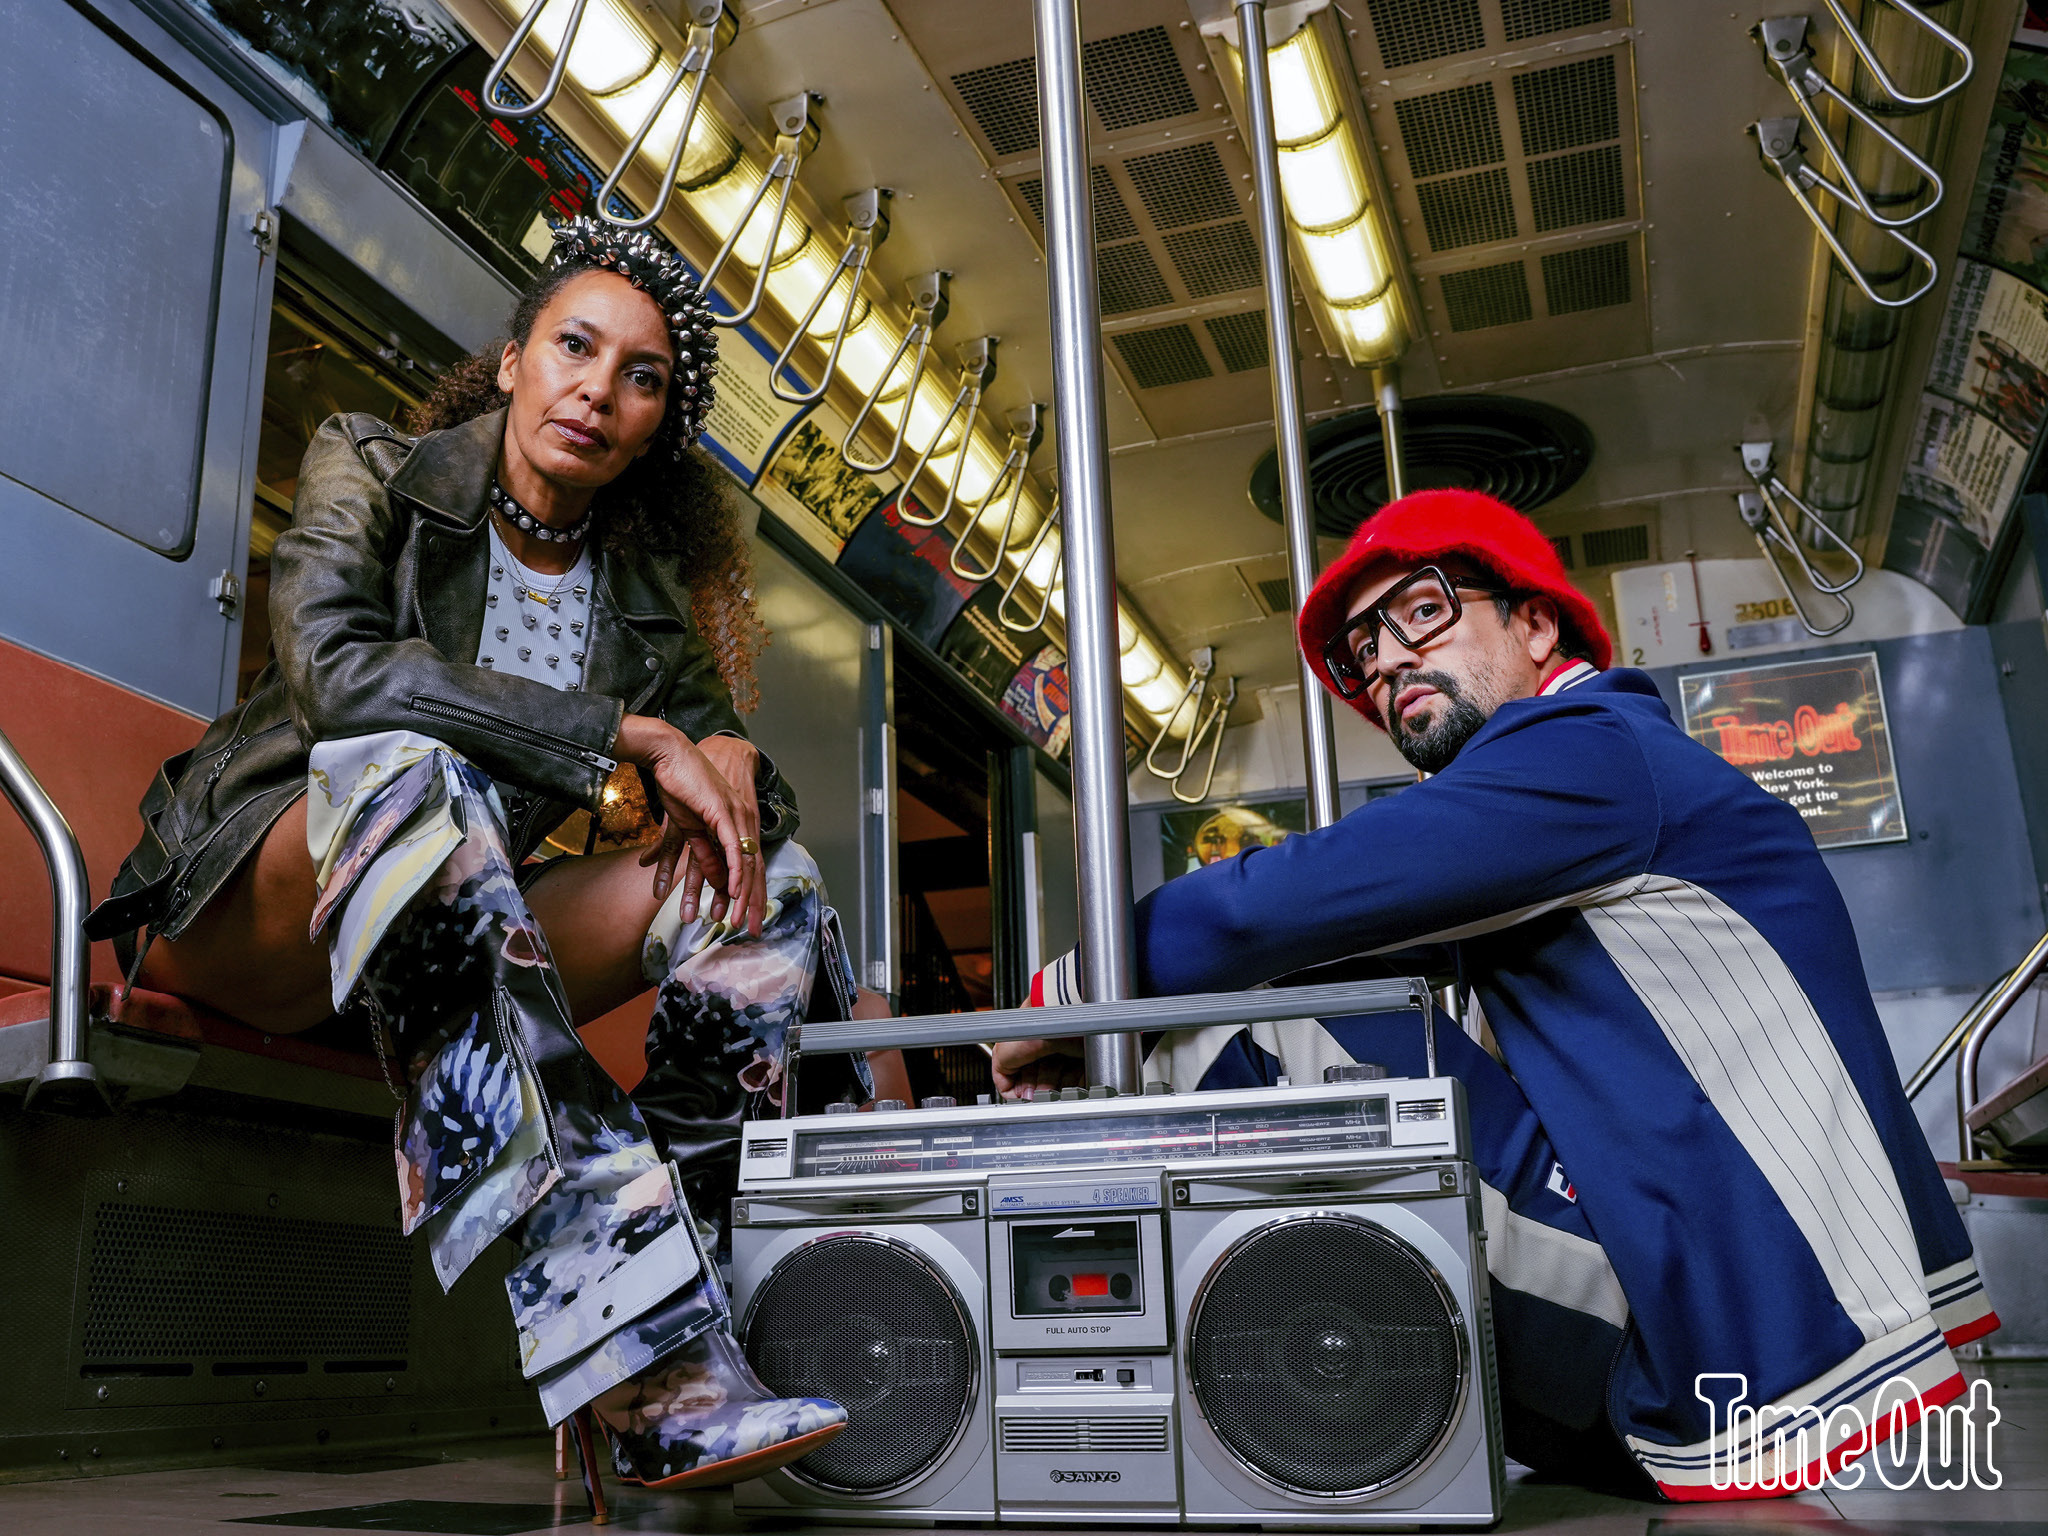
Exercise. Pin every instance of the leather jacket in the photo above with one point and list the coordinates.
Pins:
(377, 603)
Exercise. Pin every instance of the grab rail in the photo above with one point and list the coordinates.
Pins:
(796, 135)
(1765, 519)
(1024, 560)
(711, 27)
(544, 98)
(1785, 50)
(977, 372)
(1778, 141)
(1027, 429)
(1210, 730)
(1991, 1008)
(1201, 664)
(1927, 23)
(68, 1073)
(928, 300)
(867, 226)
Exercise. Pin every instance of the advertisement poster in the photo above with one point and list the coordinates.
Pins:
(2008, 222)
(1037, 700)
(810, 470)
(982, 650)
(1211, 834)
(1963, 465)
(746, 421)
(907, 569)
(1992, 354)
(1813, 733)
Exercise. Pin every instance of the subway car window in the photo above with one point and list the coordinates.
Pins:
(1192, 763)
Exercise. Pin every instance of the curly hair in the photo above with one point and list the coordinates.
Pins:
(667, 504)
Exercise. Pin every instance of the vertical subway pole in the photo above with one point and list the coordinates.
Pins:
(1318, 734)
(1101, 815)
(1387, 391)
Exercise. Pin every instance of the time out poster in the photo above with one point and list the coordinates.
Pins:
(1813, 733)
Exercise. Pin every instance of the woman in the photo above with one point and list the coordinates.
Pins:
(473, 630)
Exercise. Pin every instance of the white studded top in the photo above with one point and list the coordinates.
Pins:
(536, 625)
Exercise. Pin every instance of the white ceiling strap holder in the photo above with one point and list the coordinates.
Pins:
(1785, 51)
(1778, 142)
(709, 26)
(1027, 430)
(796, 135)
(1763, 513)
(1024, 561)
(1201, 664)
(977, 372)
(1926, 23)
(867, 226)
(1211, 728)
(928, 301)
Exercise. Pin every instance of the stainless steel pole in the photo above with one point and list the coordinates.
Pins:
(1101, 814)
(1387, 390)
(1318, 734)
(68, 1071)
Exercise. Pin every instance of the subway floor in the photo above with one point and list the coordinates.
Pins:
(506, 1488)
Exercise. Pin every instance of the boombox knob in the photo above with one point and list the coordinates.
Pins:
(938, 1101)
(1154, 1088)
(1070, 1095)
(840, 1107)
(1044, 1095)
(1354, 1072)
(884, 1106)
(1101, 1091)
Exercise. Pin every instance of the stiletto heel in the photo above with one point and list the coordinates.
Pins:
(593, 1479)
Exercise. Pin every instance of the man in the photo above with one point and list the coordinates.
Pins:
(1697, 1160)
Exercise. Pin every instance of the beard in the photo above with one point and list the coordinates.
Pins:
(1449, 724)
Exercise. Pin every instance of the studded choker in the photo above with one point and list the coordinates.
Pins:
(526, 522)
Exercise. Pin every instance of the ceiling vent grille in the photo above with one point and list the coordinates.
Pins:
(1113, 219)
(1003, 100)
(1410, 31)
(1454, 130)
(1467, 210)
(1129, 279)
(1616, 546)
(1240, 339)
(1587, 277)
(1219, 259)
(1168, 355)
(1581, 188)
(1486, 296)
(1277, 594)
(1184, 186)
(1567, 107)
(1563, 545)
(1534, 18)
(1135, 78)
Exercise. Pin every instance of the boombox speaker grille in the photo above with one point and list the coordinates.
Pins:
(870, 1323)
(1327, 1355)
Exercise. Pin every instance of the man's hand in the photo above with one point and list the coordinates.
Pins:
(1019, 1066)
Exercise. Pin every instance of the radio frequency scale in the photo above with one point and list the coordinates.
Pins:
(1248, 1307)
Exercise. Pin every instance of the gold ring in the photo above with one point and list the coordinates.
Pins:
(748, 848)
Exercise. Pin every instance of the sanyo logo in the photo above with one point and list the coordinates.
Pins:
(1086, 1477)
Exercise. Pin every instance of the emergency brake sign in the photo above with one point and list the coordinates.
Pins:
(1814, 734)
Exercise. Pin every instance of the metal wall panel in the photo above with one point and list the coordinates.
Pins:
(810, 717)
(1959, 901)
(132, 294)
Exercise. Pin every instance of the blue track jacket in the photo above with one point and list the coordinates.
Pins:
(1696, 1157)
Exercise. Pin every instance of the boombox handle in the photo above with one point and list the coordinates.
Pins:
(1145, 1014)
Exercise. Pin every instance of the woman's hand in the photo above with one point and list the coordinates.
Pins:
(705, 819)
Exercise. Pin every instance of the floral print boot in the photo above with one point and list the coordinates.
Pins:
(704, 1420)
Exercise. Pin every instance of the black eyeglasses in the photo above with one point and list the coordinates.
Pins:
(1414, 612)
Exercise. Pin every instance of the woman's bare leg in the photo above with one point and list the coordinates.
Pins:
(596, 910)
(246, 954)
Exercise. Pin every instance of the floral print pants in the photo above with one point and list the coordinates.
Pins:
(508, 1127)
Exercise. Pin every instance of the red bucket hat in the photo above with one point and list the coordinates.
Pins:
(1432, 525)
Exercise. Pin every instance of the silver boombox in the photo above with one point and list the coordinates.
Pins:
(1258, 1307)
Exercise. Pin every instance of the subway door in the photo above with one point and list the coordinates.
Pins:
(133, 296)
